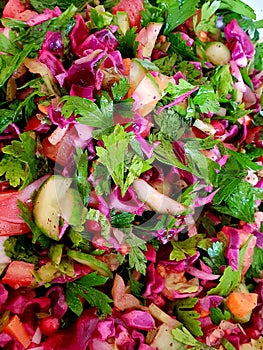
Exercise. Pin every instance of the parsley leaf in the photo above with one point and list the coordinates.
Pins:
(87, 112)
(216, 257)
(186, 315)
(81, 175)
(19, 163)
(256, 267)
(222, 80)
(217, 315)
(120, 89)
(208, 18)
(188, 247)
(9, 64)
(206, 99)
(183, 336)
(40, 6)
(230, 278)
(127, 43)
(26, 215)
(178, 12)
(137, 259)
(258, 58)
(84, 287)
(166, 64)
(239, 7)
(241, 202)
(121, 164)
(178, 46)
(152, 13)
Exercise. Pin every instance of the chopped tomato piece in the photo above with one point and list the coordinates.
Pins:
(8, 228)
(18, 274)
(133, 9)
(16, 330)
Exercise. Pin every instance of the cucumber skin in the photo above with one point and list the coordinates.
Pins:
(91, 261)
(46, 207)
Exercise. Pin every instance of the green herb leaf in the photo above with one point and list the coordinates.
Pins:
(81, 175)
(183, 336)
(217, 315)
(239, 7)
(208, 18)
(206, 99)
(216, 257)
(120, 89)
(19, 163)
(137, 259)
(230, 278)
(178, 12)
(87, 111)
(188, 247)
(21, 248)
(256, 267)
(84, 287)
(186, 315)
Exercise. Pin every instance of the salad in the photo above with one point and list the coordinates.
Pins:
(131, 175)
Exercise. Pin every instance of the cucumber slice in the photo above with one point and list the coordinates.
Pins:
(72, 208)
(217, 53)
(91, 261)
(48, 204)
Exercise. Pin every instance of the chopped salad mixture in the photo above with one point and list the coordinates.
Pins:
(131, 175)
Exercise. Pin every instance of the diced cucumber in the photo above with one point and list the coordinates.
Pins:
(122, 20)
(72, 208)
(91, 261)
(217, 53)
(47, 204)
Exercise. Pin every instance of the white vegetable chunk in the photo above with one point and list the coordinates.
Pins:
(157, 201)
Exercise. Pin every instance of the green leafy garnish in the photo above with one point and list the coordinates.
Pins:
(187, 316)
(20, 164)
(230, 278)
(188, 247)
(84, 287)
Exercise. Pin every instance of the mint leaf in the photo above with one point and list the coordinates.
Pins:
(186, 315)
(123, 219)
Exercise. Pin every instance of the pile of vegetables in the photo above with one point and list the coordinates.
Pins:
(131, 175)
